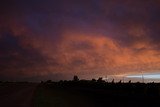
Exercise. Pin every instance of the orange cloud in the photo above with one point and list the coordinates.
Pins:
(78, 53)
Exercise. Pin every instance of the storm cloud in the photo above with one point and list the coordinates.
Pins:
(41, 39)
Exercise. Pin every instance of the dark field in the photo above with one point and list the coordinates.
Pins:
(79, 94)
(17, 94)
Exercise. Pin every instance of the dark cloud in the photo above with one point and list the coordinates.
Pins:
(19, 60)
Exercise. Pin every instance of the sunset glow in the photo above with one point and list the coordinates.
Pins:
(145, 76)
(59, 39)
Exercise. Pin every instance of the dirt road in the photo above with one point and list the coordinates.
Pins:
(17, 95)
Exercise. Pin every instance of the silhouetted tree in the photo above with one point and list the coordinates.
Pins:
(93, 80)
(129, 81)
(100, 79)
(120, 81)
(113, 81)
(60, 81)
(75, 78)
(48, 81)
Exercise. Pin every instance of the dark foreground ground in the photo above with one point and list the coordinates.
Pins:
(79, 94)
(17, 94)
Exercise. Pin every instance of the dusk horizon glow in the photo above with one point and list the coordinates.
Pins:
(145, 76)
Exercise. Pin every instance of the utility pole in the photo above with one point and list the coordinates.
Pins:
(142, 77)
(123, 79)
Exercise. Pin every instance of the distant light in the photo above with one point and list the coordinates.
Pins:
(145, 76)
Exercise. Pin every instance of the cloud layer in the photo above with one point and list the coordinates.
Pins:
(57, 39)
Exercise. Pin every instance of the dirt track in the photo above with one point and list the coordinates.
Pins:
(17, 95)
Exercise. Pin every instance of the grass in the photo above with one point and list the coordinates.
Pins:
(69, 94)
(52, 97)
(87, 94)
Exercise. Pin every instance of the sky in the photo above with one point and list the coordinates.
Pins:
(56, 39)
